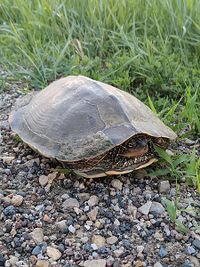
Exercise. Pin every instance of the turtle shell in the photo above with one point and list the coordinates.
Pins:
(77, 118)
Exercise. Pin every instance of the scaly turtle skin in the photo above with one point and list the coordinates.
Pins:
(94, 128)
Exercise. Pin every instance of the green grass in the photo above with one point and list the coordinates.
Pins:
(150, 48)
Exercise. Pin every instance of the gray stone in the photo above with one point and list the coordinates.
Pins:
(195, 261)
(162, 252)
(9, 211)
(93, 200)
(86, 208)
(83, 197)
(43, 180)
(139, 263)
(87, 227)
(37, 250)
(65, 196)
(61, 225)
(189, 141)
(164, 187)
(94, 246)
(95, 254)
(12, 261)
(132, 210)
(21, 264)
(70, 203)
(84, 239)
(93, 214)
(172, 192)
(72, 229)
(144, 209)
(118, 252)
(95, 263)
(53, 253)
(116, 222)
(117, 184)
(190, 250)
(17, 200)
(42, 263)
(156, 208)
(116, 263)
(166, 230)
(186, 264)
(111, 240)
(2, 260)
(7, 159)
(157, 264)
(37, 235)
(98, 240)
(40, 208)
(196, 243)
(139, 249)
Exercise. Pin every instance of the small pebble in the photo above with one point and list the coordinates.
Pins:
(117, 184)
(95, 263)
(144, 209)
(2, 260)
(93, 214)
(195, 261)
(53, 253)
(72, 229)
(62, 225)
(37, 250)
(86, 208)
(118, 252)
(70, 203)
(42, 263)
(196, 243)
(139, 263)
(157, 264)
(8, 159)
(111, 240)
(87, 227)
(190, 250)
(12, 261)
(94, 246)
(65, 196)
(43, 180)
(139, 249)
(98, 240)
(68, 251)
(162, 252)
(37, 235)
(9, 211)
(164, 187)
(93, 200)
(186, 264)
(156, 208)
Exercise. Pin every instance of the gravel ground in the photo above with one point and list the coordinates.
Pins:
(51, 219)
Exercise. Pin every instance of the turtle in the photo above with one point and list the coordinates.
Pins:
(93, 128)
